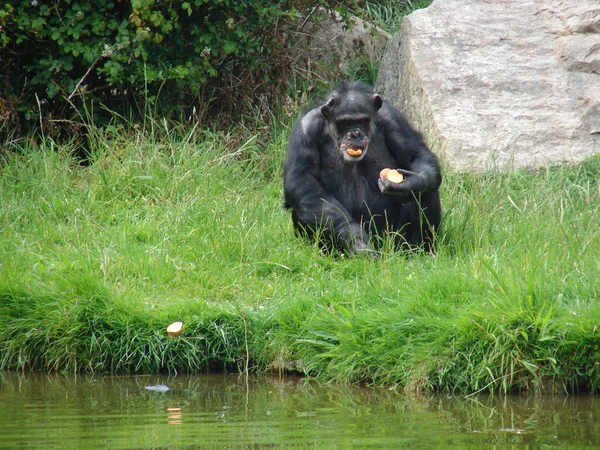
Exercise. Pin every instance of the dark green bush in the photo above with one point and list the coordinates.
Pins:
(139, 56)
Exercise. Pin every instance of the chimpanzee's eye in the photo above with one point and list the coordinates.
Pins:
(353, 124)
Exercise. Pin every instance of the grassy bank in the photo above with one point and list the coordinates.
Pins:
(96, 261)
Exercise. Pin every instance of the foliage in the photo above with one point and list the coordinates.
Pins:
(61, 59)
(387, 14)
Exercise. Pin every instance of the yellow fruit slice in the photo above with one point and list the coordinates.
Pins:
(392, 175)
(354, 151)
(175, 329)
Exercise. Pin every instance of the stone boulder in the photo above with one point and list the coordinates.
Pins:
(497, 84)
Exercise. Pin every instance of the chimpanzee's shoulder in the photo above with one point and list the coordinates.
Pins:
(310, 124)
(390, 113)
(390, 120)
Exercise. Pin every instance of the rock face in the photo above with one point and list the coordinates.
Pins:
(496, 84)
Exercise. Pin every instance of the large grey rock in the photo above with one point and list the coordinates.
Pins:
(500, 83)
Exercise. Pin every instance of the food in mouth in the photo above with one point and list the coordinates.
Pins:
(354, 151)
(392, 175)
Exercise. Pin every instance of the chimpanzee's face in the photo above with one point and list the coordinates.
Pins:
(353, 136)
(349, 120)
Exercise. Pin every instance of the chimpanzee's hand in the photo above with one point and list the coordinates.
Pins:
(404, 191)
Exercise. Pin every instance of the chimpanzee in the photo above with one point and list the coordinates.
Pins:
(332, 179)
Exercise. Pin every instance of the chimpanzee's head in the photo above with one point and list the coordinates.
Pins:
(349, 112)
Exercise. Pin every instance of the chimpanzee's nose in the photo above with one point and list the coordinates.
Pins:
(354, 134)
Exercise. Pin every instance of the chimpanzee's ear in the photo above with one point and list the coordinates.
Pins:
(326, 108)
(377, 102)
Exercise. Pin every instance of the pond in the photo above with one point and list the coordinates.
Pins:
(231, 411)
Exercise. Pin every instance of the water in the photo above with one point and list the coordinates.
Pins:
(110, 412)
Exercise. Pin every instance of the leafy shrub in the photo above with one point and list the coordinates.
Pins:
(160, 56)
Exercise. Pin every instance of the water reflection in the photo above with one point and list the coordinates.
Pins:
(58, 411)
(175, 415)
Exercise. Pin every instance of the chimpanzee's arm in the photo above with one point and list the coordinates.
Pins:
(423, 174)
(313, 206)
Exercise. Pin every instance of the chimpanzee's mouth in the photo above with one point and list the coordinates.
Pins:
(354, 152)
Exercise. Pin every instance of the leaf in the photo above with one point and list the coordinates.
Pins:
(229, 47)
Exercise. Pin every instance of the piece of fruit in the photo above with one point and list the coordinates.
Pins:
(392, 175)
(354, 151)
(175, 329)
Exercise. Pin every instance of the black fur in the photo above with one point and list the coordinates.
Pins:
(340, 198)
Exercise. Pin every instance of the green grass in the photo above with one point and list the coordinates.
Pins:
(96, 261)
(386, 14)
